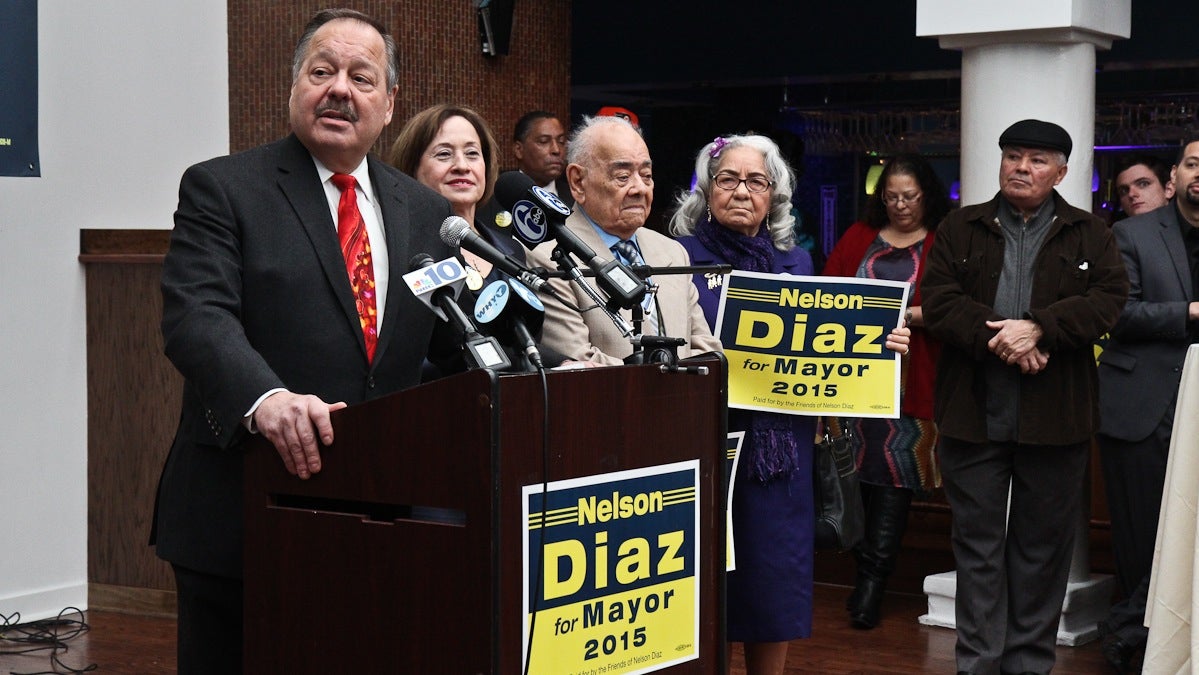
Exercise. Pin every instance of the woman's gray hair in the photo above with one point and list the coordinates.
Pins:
(692, 205)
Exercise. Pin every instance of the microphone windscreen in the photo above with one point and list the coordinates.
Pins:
(419, 261)
(526, 303)
(491, 301)
(454, 229)
(511, 187)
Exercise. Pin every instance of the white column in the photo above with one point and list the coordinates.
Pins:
(1028, 59)
(1005, 83)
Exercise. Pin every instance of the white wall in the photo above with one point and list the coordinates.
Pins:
(130, 93)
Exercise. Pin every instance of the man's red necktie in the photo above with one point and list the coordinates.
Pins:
(356, 249)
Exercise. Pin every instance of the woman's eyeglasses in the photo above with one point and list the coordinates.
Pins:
(726, 181)
(894, 200)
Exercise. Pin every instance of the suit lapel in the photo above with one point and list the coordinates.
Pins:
(396, 219)
(1176, 248)
(301, 187)
(651, 251)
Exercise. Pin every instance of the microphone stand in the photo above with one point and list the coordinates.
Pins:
(646, 348)
(568, 269)
(662, 349)
(638, 310)
(643, 271)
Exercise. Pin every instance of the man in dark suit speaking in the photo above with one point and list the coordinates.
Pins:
(277, 310)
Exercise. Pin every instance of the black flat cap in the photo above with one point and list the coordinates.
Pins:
(1037, 134)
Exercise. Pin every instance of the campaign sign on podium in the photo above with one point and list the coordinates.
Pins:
(418, 530)
(611, 576)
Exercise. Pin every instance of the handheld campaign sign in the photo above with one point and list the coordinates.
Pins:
(811, 345)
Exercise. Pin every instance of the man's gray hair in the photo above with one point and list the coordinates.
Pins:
(391, 52)
(581, 148)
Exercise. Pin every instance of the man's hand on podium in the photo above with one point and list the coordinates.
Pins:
(293, 422)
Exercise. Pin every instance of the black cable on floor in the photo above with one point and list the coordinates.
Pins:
(47, 634)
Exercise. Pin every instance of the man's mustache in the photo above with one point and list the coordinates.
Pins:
(343, 108)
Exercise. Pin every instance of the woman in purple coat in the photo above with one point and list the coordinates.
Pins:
(740, 214)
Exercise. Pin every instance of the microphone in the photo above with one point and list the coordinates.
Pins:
(437, 285)
(532, 213)
(505, 306)
(536, 213)
(432, 283)
(456, 232)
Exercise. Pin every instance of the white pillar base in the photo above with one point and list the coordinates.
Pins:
(1086, 604)
(941, 590)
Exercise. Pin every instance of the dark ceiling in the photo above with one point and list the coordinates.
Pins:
(802, 54)
(837, 82)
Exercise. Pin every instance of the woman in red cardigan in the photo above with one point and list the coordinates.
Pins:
(898, 456)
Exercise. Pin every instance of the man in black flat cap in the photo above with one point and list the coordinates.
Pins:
(1018, 289)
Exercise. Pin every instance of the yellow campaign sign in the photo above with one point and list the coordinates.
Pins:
(811, 345)
(611, 574)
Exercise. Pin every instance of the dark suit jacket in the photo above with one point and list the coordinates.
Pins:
(1141, 366)
(256, 296)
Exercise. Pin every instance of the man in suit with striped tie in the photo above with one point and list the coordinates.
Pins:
(277, 310)
(612, 180)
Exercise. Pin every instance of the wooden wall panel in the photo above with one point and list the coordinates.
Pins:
(133, 395)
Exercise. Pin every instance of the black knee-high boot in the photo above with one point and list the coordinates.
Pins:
(876, 555)
(863, 550)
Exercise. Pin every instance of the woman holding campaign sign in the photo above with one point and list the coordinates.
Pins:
(740, 214)
(897, 458)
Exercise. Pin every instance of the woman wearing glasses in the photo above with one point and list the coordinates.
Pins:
(740, 214)
(897, 457)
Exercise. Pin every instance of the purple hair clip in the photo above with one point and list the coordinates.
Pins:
(718, 144)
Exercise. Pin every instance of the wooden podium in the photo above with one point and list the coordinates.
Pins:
(405, 553)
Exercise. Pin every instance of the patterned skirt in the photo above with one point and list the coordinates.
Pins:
(899, 453)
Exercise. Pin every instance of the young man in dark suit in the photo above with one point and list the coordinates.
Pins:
(275, 320)
(1142, 184)
(1142, 363)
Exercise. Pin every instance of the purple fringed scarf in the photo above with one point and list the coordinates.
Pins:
(772, 440)
(749, 254)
